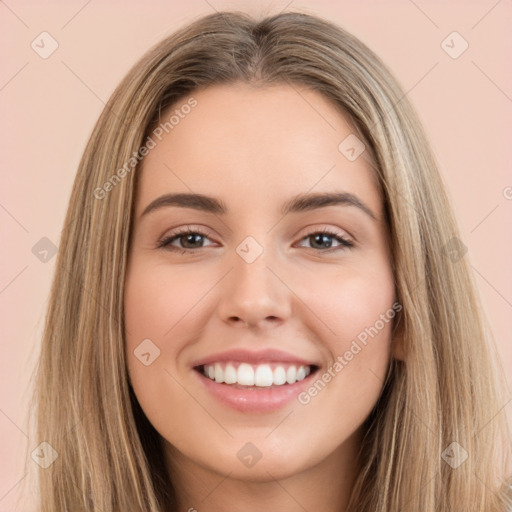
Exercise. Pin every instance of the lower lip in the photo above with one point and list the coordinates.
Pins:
(255, 399)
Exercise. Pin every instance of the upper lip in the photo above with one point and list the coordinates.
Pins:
(254, 357)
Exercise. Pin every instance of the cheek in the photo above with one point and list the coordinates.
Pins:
(356, 310)
(156, 301)
(352, 300)
(153, 304)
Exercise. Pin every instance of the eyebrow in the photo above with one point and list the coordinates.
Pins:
(297, 204)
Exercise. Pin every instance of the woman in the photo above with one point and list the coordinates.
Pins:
(260, 368)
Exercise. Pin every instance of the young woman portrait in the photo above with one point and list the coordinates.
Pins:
(261, 299)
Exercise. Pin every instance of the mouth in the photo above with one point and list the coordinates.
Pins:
(255, 387)
(245, 375)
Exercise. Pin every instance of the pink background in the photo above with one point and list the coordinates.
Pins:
(49, 106)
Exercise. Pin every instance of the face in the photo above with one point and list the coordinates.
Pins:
(253, 292)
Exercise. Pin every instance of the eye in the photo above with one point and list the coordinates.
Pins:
(323, 236)
(192, 237)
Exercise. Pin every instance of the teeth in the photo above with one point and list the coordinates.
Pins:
(245, 374)
(279, 376)
(230, 374)
(264, 376)
(301, 373)
(291, 373)
(260, 375)
(219, 373)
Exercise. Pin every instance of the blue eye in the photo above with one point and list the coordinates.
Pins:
(189, 236)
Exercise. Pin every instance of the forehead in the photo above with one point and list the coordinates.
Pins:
(253, 145)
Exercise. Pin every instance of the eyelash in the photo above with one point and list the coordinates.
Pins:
(165, 243)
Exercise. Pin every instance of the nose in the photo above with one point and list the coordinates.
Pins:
(254, 294)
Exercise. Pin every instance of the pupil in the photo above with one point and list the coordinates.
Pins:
(323, 238)
(192, 237)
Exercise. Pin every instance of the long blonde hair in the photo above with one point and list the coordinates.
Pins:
(450, 388)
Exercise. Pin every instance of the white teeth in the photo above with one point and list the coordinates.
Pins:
(219, 373)
(263, 376)
(291, 373)
(279, 376)
(245, 374)
(230, 375)
(260, 375)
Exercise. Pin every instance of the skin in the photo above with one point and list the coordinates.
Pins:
(255, 148)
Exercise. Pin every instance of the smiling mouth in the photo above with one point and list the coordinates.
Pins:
(240, 375)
